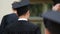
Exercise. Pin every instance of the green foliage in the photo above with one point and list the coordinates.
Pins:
(49, 5)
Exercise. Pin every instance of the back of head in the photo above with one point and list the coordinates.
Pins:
(22, 10)
(56, 1)
(52, 21)
(53, 27)
(21, 7)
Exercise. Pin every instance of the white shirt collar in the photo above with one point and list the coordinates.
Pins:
(23, 19)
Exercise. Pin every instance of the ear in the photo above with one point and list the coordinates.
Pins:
(46, 31)
(27, 12)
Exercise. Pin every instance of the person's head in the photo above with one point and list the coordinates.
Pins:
(52, 27)
(52, 22)
(56, 5)
(23, 11)
(22, 8)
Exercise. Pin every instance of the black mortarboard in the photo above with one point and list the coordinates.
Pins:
(20, 4)
(52, 15)
(56, 1)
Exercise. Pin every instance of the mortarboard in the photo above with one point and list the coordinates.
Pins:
(52, 15)
(20, 3)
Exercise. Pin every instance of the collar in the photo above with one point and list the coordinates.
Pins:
(23, 19)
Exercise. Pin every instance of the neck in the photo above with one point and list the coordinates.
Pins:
(23, 17)
(46, 31)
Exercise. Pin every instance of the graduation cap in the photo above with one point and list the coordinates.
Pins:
(56, 1)
(52, 15)
(20, 3)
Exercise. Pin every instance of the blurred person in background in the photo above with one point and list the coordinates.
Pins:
(52, 19)
(23, 26)
(52, 22)
(8, 19)
(56, 5)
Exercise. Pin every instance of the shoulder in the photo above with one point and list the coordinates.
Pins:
(33, 25)
(10, 18)
(12, 15)
(23, 24)
(29, 24)
(6, 15)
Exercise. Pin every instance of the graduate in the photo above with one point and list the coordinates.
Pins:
(23, 26)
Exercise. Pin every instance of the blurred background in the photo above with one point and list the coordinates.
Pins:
(38, 7)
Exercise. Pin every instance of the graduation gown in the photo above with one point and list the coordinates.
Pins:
(22, 27)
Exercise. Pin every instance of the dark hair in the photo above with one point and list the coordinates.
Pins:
(52, 26)
(22, 10)
(55, 2)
